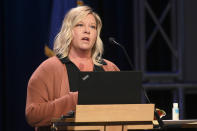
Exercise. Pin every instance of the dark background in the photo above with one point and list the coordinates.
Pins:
(24, 30)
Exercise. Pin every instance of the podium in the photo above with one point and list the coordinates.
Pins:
(114, 117)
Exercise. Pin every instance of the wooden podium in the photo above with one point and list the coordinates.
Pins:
(117, 117)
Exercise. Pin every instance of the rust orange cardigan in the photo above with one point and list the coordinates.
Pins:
(48, 92)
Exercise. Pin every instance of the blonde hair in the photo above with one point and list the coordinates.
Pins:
(64, 37)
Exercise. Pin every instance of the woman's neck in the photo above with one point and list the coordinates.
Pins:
(82, 60)
(80, 55)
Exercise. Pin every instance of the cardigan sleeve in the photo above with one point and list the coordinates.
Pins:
(39, 108)
(110, 66)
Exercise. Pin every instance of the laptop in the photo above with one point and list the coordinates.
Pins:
(115, 87)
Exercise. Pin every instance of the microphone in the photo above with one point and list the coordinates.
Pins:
(112, 40)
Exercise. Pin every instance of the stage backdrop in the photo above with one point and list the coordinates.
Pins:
(25, 28)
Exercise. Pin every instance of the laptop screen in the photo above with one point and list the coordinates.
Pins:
(117, 87)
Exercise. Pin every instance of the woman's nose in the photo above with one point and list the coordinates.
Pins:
(87, 30)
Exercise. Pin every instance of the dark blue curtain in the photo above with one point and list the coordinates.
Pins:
(24, 31)
(1, 66)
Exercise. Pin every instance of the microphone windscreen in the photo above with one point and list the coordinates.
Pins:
(111, 39)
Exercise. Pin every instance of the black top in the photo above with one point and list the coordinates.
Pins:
(73, 72)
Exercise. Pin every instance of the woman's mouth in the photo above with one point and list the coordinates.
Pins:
(86, 39)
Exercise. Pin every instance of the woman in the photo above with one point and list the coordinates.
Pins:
(52, 90)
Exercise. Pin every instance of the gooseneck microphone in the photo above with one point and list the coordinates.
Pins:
(112, 40)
